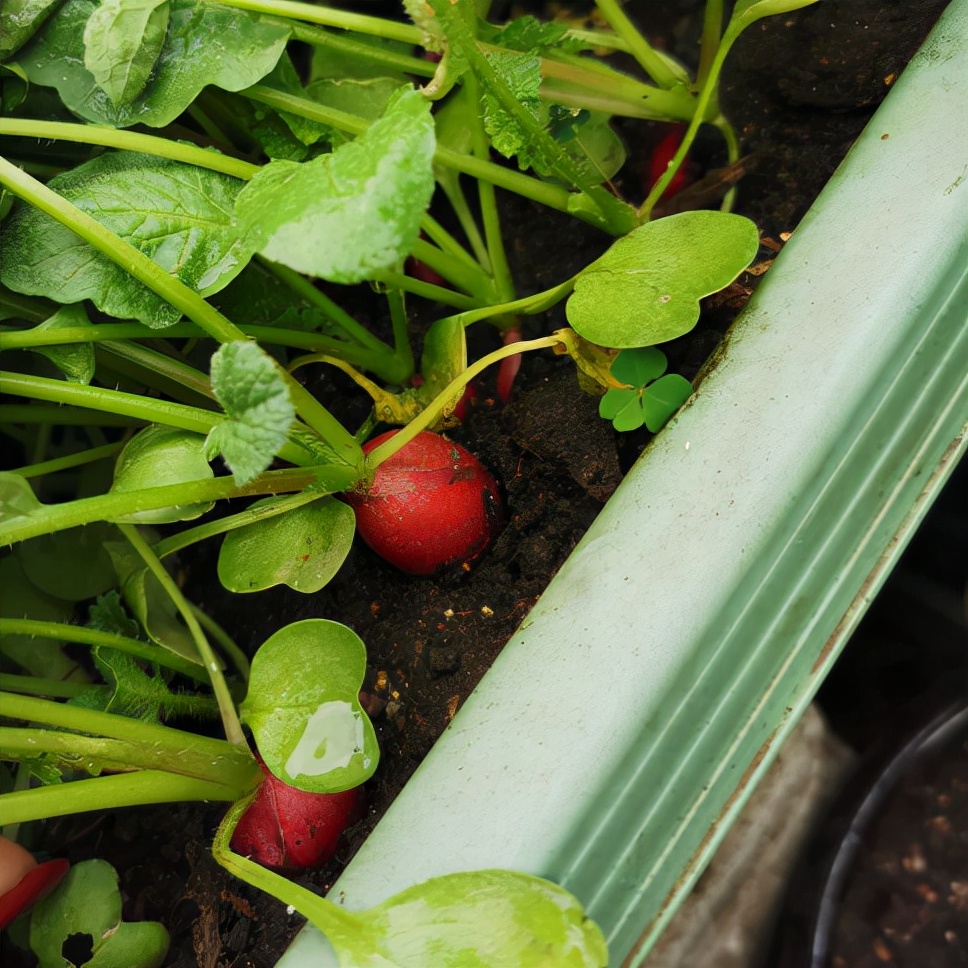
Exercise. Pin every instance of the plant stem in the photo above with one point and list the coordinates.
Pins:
(329, 478)
(251, 515)
(82, 635)
(228, 644)
(396, 300)
(433, 410)
(37, 686)
(97, 134)
(56, 464)
(230, 718)
(712, 27)
(341, 927)
(319, 36)
(328, 17)
(109, 793)
(93, 754)
(651, 62)
(397, 280)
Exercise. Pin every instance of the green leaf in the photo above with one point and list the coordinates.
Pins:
(122, 41)
(17, 497)
(150, 603)
(482, 919)
(107, 614)
(88, 903)
(206, 44)
(522, 74)
(663, 398)
(303, 548)
(21, 598)
(20, 20)
(260, 412)
(303, 707)
(156, 456)
(71, 564)
(178, 215)
(74, 360)
(637, 367)
(623, 408)
(746, 12)
(351, 214)
(646, 288)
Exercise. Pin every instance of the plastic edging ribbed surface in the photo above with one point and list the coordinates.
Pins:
(628, 719)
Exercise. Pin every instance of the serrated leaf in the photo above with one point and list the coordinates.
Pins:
(646, 288)
(122, 41)
(229, 48)
(260, 412)
(156, 456)
(71, 564)
(303, 548)
(351, 214)
(20, 20)
(178, 215)
(88, 902)
(107, 614)
(521, 72)
(303, 707)
(74, 360)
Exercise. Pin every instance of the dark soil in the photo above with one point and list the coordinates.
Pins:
(800, 88)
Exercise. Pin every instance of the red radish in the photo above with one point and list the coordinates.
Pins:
(289, 829)
(659, 160)
(23, 881)
(431, 505)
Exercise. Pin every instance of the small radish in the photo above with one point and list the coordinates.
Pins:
(659, 160)
(289, 829)
(431, 505)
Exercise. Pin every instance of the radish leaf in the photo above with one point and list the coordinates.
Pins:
(230, 49)
(247, 384)
(351, 214)
(88, 903)
(179, 215)
(646, 288)
(303, 548)
(122, 41)
(303, 707)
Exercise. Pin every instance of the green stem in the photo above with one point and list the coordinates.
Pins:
(96, 134)
(109, 793)
(329, 478)
(703, 102)
(37, 686)
(251, 515)
(161, 371)
(651, 62)
(328, 17)
(433, 410)
(63, 416)
(471, 278)
(712, 27)
(343, 929)
(237, 657)
(65, 632)
(226, 706)
(447, 243)
(401, 327)
(121, 755)
(397, 280)
(56, 464)
(356, 50)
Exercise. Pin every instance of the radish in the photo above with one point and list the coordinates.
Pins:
(289, 829)
(659, 160)
(431, 505)
(23, 882)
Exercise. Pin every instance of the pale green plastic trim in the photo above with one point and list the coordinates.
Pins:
(624, 725)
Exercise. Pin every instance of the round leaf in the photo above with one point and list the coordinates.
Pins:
(480, 919)
(161, 455)
(663, 398)
(88, 902)
(303, 707)
(303, 548)
(646, 288)
(636, 367)
(71, 564)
